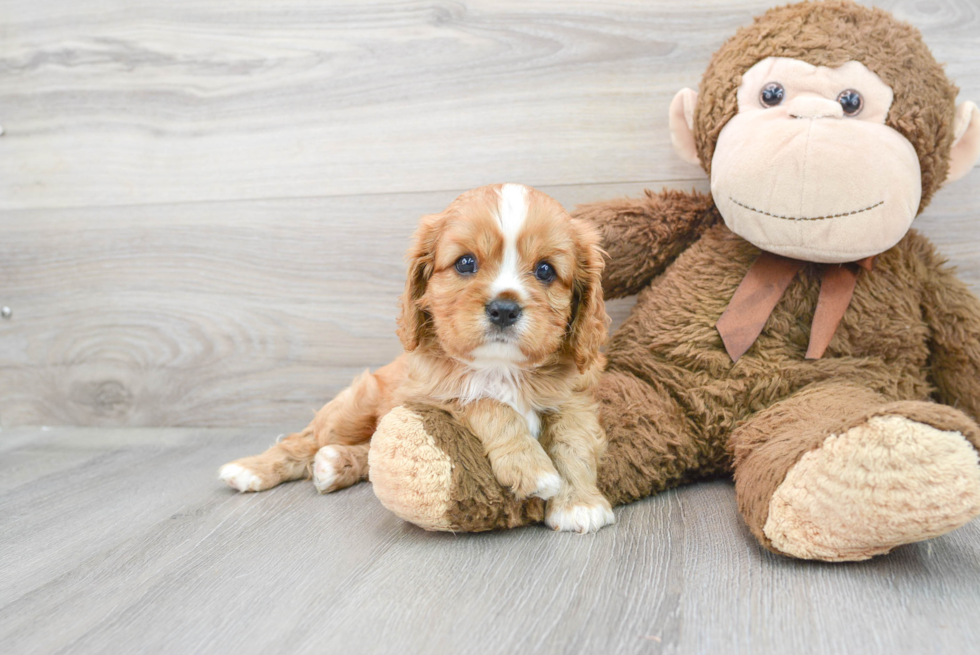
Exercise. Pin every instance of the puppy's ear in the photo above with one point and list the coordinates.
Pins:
(414, 322)
(588, 329)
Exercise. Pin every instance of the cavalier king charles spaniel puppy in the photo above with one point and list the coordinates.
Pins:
(502, 320)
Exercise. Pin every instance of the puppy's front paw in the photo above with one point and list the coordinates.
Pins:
(240, 478)
(527, 478)
(581, 517)
(548, 486)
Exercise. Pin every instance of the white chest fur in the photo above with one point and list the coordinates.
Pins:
(501, 381)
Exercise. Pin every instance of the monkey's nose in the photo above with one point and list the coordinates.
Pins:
(503, 313)
(814, 107)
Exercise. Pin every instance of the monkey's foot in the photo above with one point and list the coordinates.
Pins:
(887, 482)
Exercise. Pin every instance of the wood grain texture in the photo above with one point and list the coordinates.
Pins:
(246, 313)
(203, 210)
(123, 541)
(201, 314)
(204, 205)
(125, 102)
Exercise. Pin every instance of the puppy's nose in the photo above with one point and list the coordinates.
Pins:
(503, 312)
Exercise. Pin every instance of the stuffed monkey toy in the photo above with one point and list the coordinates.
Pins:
(790, 329)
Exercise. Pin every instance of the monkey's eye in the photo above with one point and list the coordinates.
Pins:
(772, 94)
(545, 272)
(466, 265)
(851, 102)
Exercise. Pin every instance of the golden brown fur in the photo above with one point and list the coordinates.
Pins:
(498, 382)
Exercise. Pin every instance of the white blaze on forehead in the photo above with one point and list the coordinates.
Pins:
(511, 213)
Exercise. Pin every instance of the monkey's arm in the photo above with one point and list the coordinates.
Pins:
(643, 235)
(953, 314)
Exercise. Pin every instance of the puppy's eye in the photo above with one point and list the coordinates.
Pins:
(545, 272)
(466, 265)
(772, 94)
(851, 102)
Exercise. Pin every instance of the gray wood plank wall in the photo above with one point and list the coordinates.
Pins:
(204, 203)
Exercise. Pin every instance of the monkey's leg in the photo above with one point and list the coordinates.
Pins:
(837, 473)
(431, 471)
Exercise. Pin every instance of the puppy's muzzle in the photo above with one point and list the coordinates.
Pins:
(503, 313)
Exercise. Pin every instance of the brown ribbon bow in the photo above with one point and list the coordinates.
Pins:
(764, 285)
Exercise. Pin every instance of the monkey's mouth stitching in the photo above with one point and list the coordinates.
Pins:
(807, 218)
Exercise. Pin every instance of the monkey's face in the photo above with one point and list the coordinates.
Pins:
(808, 169)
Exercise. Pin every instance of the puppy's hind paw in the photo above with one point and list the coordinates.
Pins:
(580, 517)
(240, 478)
(326, 467)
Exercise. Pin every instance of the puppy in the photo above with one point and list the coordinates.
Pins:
(502, 320)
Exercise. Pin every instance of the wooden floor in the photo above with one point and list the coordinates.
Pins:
(203, 210)
(123, 541)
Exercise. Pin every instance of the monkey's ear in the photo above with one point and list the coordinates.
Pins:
(966, 144)
(682, 125)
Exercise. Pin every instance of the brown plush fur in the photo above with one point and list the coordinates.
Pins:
(767, 446)
(648, 234)
(675, 407)
(830, 34)
(672, 399)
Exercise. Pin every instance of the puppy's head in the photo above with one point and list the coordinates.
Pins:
(505, 274)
